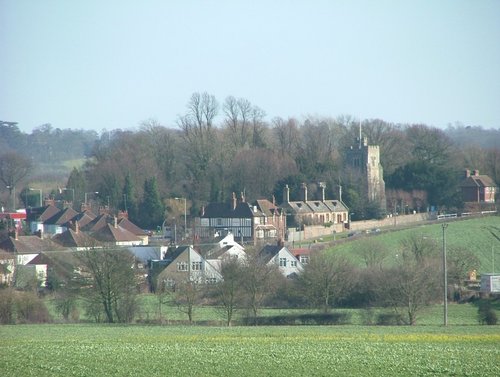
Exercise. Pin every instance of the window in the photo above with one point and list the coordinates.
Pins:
(182, 266)
(211, 281)
(293, 263)
(304, 259)
(282, 262)
(196, 266)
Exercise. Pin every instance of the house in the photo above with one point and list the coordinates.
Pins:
(184, 263)
(75, 239)
(316, 212)
(36, 217)
(25, 249)
(226, 249)
(260, 221)
(478, 188)
(7, 266)
(280, 256)
(303, 255)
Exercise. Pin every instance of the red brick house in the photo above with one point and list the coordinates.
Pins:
(478, 188)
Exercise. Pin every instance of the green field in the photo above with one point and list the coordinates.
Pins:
(481, 236)
(92, 350)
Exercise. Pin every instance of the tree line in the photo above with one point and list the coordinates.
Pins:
(219, 148)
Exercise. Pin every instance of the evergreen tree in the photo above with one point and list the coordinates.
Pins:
(129, 201)
(76, 181)
(151, 209)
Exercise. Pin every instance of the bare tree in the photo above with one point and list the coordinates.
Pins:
(227, 293)
(325, 278)
(373, 253)
(13, 168)
(257, 282)
(109, 282)
(414, 282)
(287, 135)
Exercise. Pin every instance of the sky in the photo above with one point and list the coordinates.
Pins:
(92, 64)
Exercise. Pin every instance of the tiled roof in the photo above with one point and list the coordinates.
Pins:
(41, 213)
(268, 252)
(62, 217)
(109, 233)
(478, 181)
(70, 238)
(131, 227)
(28, 245)
(225, 210)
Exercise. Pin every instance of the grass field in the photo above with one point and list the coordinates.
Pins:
(91, 350)
(480, 235)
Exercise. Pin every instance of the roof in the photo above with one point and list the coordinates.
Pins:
(268, 252)
(478, 181)
(62, 217)
(131, 227)
(28, 245)
(225, 210)
(317, 206)
(174, 252)
(71, 238)
(109, 233)
(41, 213)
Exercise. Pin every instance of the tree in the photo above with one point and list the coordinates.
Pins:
(109, 283)
(373, 252)
(186, 295)
(325, 278)
(152, 210)
(256, 282)
(129, 203)
(413, 283)
(76, 181)
(199, 135)
(13, 168)
(227, 292)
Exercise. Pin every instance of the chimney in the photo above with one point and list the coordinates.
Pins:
(234, 201)
(467, 173)
(202, 212)
(16, 234)
(242, 197)
(122, 215)
(274, 201)
(286, 194)
(77, 227)
(115, 222)
(476, 173)
(304, 192)
(322, 186)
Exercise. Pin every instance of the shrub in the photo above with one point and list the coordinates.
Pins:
(6, 306)
(30, 309)
(486, 314)
(389, 319)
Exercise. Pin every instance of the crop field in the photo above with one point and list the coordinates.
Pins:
(100, 350)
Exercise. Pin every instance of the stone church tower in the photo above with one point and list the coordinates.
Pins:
(365, 159)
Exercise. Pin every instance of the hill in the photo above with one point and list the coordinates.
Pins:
(481, 236)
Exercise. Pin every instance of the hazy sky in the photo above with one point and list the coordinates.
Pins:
(112, 64)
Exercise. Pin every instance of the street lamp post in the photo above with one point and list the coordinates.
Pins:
(445, 278)
(185, 216)
(12, 190)
(35, 189)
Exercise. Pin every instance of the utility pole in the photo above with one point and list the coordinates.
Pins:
(445, 278)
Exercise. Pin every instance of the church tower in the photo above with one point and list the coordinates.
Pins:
(365, 159)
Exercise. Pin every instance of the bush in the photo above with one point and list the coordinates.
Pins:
(6, 306)
(389, 319)
(486, 314)
(300, 319)
(31, 309)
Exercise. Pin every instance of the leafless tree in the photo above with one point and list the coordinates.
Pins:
(13, 168)
(325, 278)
